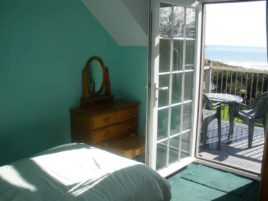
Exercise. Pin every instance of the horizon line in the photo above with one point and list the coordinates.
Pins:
(226, 45)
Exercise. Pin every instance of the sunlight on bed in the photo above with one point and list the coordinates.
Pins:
(101, 164)
(80, 172)
(9, 174)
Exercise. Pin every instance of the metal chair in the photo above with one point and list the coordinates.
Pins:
(256, 112)
(211, 111)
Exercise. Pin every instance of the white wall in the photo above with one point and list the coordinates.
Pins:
(125, 20)
(139, 10)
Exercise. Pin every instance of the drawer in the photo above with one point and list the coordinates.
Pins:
(126, 114)
(100, 135)
(113, 132)
(126, 127)
(101, 121)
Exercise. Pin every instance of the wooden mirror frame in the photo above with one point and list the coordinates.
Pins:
(85, 77)
(103, 93)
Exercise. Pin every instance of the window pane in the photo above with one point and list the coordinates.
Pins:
(177, 55)
(161, 155)
(176, 88)
(175, 120)
(188, 84)
(190, 50)
(165, 25)
(163, 95)
(187, 116)
(190, 23)
(179, 147)
(174, 149)
(179, 24)
(164, 53)
(162, 124)
(185, 145)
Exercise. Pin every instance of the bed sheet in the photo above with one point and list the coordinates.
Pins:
(80, 172)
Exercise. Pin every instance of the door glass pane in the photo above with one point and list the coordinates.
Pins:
(164, 92)
(190, 23)
(164, 55)
(185, 145)
(178, 55)
(176, 88)
(175, 120)
(162, 131)
(165, 20)
(179, 22)
(174, 149)
(189, 84)
(179, 147)
(161, 154)
(187, 116)
(190, 53)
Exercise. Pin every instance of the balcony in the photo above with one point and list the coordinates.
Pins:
(247, 83)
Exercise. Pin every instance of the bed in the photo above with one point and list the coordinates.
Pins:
(79, 172)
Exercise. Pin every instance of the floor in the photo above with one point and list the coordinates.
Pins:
(201, 183)
(236, 153)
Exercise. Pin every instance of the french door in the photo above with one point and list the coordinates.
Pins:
(174, 78)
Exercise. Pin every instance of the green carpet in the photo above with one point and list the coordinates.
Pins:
(201, 183)
(222, 181)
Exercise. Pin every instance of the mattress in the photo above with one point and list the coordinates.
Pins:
(80, 172)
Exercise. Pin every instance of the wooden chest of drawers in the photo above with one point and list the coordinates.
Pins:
(105, 122)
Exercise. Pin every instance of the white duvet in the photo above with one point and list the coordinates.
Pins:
(79, 172)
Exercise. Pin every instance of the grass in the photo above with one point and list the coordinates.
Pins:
(225, 115)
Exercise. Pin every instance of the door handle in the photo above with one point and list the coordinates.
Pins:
(161, 88)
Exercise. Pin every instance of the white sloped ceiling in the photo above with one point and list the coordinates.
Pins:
(125, 20)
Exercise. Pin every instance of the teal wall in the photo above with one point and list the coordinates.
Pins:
(133, 79)
(44, 46)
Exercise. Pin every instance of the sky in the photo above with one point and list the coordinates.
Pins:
(236, 24)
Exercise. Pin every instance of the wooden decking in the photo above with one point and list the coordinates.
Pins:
(237, 152)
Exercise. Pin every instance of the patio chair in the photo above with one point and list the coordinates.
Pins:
(256, 112)
(211, 111)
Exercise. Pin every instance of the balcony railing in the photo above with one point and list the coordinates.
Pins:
(247, 83)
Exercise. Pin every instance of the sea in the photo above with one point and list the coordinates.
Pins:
(245, 57)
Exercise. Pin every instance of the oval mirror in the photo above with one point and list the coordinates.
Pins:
(95, 82)
(95, 77)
